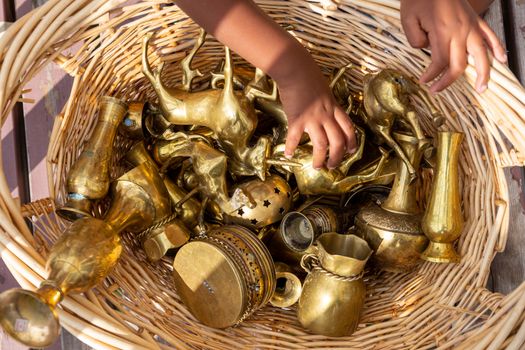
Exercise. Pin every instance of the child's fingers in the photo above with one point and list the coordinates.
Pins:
(293, 137)
(416, 36)
(337, 143)
(493, 41)
(456, 66)
(348, 129)
(440, 54)
(478, 50)
(320, 143)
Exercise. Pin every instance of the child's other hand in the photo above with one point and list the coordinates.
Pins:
(311, 108)
(453, 30)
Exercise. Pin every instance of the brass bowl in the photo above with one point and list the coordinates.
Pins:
(225, 276)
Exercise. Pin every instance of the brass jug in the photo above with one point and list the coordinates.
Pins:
(288, 286)
(443, 222)
(88, 179)
(393, 229)
(84, 255)
(334, 292)
(133, 123)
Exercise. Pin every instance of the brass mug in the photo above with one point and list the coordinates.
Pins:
(334, 292)
(299, 229)
(224, 276)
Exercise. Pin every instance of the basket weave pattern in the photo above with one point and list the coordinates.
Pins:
(444, 306)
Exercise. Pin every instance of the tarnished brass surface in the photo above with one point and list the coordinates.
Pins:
(289, 286)
(443, 220)
(272, 199)
(393, 230)
(88, 179)
(385, 99)
(280, 251)
(224, 276)
(334, 292)
(228, 113)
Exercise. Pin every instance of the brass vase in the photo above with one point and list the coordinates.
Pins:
(443, 221)
(133, 123)
(393, 229)
(334, 292)
(88, 179)
(83, 256)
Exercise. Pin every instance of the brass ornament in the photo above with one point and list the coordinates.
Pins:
(331, 181)
(334, 292)
(443, 222)
(224, 276)
(228, 113)
(88, 179)
(393, 229)
(272, 199)
(385, 100)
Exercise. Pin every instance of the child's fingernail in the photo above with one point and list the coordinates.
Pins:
(288, 155)
(482, 88)
(353, 150)
(504, 57)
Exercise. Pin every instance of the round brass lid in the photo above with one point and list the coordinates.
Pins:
(210, 284)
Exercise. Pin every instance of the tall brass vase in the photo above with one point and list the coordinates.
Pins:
(393, 229)
(88, 179)
(443, 222)
(84, 255)
(333, 293)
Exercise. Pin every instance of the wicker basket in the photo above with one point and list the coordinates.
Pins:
(443, 306)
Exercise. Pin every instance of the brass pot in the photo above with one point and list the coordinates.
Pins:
(393, 229)
(334, 292)
(224, 276)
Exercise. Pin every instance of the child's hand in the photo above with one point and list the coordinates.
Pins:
(311, 108)
(453, 30)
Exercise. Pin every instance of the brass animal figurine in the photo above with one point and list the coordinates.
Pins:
(229, 113)
(331, 181)
(386, 99)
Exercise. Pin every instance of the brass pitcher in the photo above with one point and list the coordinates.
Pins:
(443, 222)
(84, 255)
(334, 292)
(88, 179)
(288, 286)
(393, 229)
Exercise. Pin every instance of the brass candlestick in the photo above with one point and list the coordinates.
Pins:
(88, 179)
(84, 255)
(393, 230)
(443, 222)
